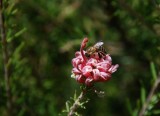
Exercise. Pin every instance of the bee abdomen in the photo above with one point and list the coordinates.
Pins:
(101, 48)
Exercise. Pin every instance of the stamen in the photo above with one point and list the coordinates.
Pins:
(83, 44)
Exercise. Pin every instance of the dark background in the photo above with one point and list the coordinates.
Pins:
(53, 30)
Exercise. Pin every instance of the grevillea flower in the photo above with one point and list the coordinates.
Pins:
(93, 69)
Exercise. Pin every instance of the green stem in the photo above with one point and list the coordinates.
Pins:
(151, 93)
(75, 106)
(5, 60)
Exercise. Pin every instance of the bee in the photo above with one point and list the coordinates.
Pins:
(96, 49)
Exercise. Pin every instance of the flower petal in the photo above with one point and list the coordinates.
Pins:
(78, 53)
(108, 58)
(89, 81)
(113, 68)
(80, 78)
(96, 74)
(104, 76)
(76, 71)
(76, 61)
(86, 70)
(103, 66)
(92, 62)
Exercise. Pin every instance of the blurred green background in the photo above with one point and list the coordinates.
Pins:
(52, 32)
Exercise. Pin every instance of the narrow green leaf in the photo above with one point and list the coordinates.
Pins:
(138, 103)
(156, 112)
(20, 32)
(143, 95)
(75, 95)
(10, 37)
(135, 112)
(153, 70)
(67, 106)
(10, 8)
(154, 99)
(19, 48)
(129, 107)
(9, 62)
(14, 11)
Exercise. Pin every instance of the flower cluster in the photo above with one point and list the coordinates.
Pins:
(93, 69)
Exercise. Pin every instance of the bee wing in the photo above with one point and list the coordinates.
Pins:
(98, 44)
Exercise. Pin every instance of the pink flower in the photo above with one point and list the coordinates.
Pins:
(89, 70)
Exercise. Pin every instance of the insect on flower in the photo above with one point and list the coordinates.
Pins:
(92, 69)
(96, 48)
